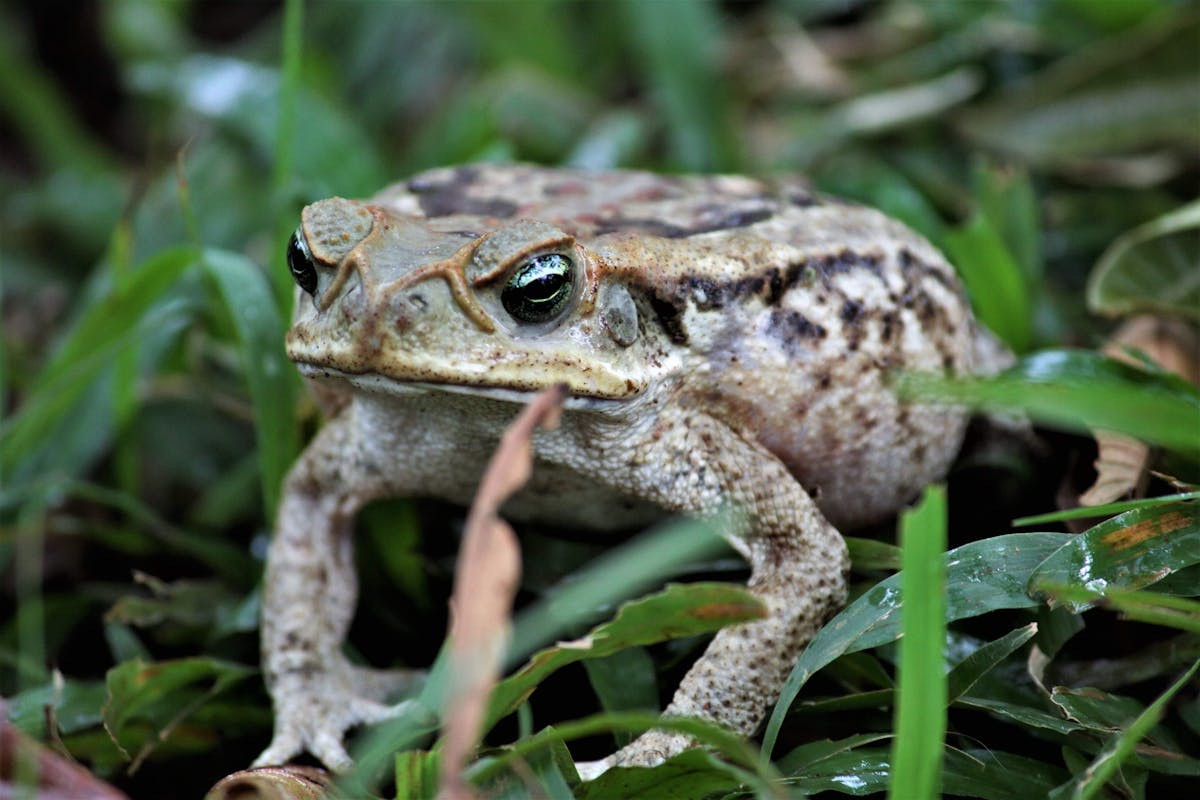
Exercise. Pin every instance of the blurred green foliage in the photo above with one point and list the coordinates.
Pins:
(154, 155)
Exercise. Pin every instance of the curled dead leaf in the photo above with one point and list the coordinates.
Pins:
(1122, 461)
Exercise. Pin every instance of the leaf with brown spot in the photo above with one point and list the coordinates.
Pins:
(1129, 551)
(485, 583)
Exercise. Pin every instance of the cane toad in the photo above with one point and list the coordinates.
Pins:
(725, 341)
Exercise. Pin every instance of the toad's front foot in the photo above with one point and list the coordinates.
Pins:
(314, 711)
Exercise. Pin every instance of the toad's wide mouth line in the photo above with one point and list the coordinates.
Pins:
(399, 387)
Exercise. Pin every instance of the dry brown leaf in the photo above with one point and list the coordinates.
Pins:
(485, 583)
(57, 778)
(1122, 461)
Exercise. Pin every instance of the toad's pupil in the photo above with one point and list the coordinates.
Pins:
(539, 290)
(300, 262)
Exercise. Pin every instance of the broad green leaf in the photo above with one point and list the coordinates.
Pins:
(640, 564)
(807, 757)
(692, 774)
(147, 701)
(994, 279)
(1154, 268)
(1022, 715)
(269, 374)
(678, 610)
(1129, 551)
(921, 694)
(981, 576)
(76, 705)
(1081, 390)
(737, 760)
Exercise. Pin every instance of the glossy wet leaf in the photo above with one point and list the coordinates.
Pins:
(1154, 268)
(980, 577)
(988, 774)
(1130, 551)
(1080, 390)
(678, 610)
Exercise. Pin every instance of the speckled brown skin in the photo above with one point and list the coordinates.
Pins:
(727, 342)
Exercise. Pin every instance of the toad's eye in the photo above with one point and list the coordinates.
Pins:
(300, 262)
(540, 288)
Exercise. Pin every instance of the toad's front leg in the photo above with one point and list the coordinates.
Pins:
(309, 594)
(798, 565)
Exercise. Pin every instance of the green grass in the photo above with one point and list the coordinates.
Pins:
(150, 413)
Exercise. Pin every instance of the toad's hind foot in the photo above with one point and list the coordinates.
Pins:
(314, 712)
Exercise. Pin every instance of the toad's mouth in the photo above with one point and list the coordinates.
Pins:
(518, 393)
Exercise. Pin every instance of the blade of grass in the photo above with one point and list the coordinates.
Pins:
(127, 314)
(269, 376)
(994, 280)
(1081, 390)
(1105, 510)
(921, 708)
(285, 129)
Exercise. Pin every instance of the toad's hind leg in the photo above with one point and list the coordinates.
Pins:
(798, 569)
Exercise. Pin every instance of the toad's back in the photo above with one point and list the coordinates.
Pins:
(794, 309)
